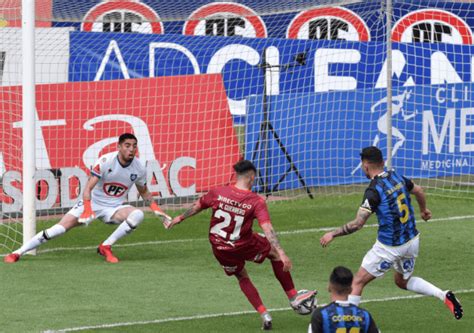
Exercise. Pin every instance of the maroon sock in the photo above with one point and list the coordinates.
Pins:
(251, 292)
(284, 277)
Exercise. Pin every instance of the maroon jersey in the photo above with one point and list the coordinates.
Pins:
(233, 212)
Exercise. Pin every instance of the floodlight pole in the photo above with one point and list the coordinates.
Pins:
(28, 99)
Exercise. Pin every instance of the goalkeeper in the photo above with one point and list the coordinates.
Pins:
(111, 178)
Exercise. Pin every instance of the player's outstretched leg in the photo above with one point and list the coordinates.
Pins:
(421, 286)
(37, 240)
(253, 296)
(134, 218)
(453, 305)
(295, 298)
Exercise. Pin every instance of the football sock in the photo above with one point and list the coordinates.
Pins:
(126, 227)
(285, 278)
(41, 237)
(354, 299)
(420, 286)
(252, 295)
(122, 230)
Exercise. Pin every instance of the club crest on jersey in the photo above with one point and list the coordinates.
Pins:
(133, 177)
(115, 189)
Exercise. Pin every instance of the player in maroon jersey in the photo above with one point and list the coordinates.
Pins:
(234, 207)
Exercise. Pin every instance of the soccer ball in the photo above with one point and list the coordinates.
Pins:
(307, 306)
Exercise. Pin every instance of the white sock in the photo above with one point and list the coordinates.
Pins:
(122, 230)
(40, 238)
(126, 227)
(420, 286)
(354, 299)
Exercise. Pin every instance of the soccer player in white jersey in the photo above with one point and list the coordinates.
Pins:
(111, 178)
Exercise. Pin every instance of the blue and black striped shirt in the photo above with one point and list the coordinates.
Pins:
(341, 317)
(388, 195)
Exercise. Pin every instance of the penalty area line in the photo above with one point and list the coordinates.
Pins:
(224, 314)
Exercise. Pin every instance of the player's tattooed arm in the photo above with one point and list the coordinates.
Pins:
(193, 210)
(270, 234)
(354, 225)
(348, 228)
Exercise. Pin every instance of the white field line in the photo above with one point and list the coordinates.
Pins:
(224, 314)
(290, 232)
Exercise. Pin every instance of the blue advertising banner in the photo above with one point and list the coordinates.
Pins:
(322, 134)
(432, 21)
(328, 65)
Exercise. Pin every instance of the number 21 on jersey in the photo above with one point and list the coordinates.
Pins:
(218, 228)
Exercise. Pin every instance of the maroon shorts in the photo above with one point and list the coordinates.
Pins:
(233, 259)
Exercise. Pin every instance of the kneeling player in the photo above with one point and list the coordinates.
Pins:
(234, 207)
(111, 178)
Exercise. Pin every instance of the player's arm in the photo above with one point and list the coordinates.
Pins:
(88, 214)
(270, 234)
(148, 197)
(348, 228)
(193, 210)
(420, 196)
(370, 202)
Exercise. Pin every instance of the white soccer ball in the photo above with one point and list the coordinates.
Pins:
(306, 307)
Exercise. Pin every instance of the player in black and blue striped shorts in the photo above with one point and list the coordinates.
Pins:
(340, 315)
(388, 195)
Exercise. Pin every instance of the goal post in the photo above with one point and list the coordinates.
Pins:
(28, 111)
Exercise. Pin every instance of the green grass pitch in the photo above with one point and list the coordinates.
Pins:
(169, 281)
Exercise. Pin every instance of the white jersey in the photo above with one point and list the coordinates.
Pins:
(115, 179)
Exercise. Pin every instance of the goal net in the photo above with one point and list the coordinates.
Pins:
(299, 89)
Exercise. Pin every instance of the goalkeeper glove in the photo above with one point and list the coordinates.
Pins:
(158, 212)
(87, 215)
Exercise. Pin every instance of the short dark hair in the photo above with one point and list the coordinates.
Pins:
(341, 279)
(244, 166)
(126, 136)
(372, 154)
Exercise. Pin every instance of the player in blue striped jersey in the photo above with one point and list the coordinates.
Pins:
(340, 315)
(388, 195)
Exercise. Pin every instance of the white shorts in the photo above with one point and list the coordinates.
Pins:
(382, 257)
(103, 213)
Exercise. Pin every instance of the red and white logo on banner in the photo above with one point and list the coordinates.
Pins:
(122, 16)
(225, 19)
(181, 122)
(432, 26)
(331, 23)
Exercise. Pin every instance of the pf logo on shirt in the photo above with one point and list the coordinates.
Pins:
(114, 189)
